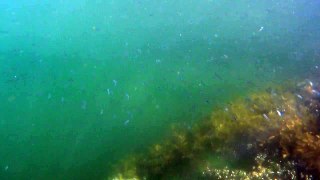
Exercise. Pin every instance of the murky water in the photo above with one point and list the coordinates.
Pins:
(85, 83)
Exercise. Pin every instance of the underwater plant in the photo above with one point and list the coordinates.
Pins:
(126, 169)
(298, 142)
(274, 133)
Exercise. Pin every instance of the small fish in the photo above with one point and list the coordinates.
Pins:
(126, 122)
(311, 83)
(273, 92)
(84, 105)
(234, 117)
(266, 117)
(271, 137)
(218, 76)
(261, 28)
(4, 32)
(316, 93)
(108, 91)
(303, 83)
(127, 95)
(115, 82)
(299, 96)
(279, 113)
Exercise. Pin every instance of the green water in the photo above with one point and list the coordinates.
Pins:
(85, 83)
